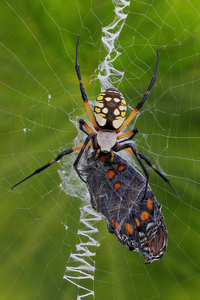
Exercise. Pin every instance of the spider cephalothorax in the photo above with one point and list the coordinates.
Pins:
(117, 189)
(110, 109)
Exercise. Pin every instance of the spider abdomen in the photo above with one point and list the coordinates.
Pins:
(110, 109)
(116, 190)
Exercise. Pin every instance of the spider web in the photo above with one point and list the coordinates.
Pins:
(53, 244)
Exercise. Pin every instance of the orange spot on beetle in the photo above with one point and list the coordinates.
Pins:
(149, 203)
(129, 228)
(117, 226)
(152, 248)
(144, 215)
(117, 186)
(111, 174)
(121, 168)
(112, 223)
(137, 222)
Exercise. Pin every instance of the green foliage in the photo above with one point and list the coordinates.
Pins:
(37, 54)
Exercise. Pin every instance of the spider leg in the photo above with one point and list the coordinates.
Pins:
(83, 94)
(119, 147)
(130, 135)
(75, 164)
(65, 152)
(152, 166)
(157, 171)
(141, 103)
(83, 124)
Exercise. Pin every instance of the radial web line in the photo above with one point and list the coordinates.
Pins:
(82, 259)
(108, 75)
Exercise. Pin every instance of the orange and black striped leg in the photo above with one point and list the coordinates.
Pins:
(75, 164)
(130, 135)
(83, 124)
(83, 94)
(157, 171)
(65, 152)
(141, 103)
(136, 153)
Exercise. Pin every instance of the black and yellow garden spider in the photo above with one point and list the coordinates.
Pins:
(108, 121)
(116, 188)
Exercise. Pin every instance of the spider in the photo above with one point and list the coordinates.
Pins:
(117, 189)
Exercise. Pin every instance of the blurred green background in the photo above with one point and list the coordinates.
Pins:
(37, 54)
